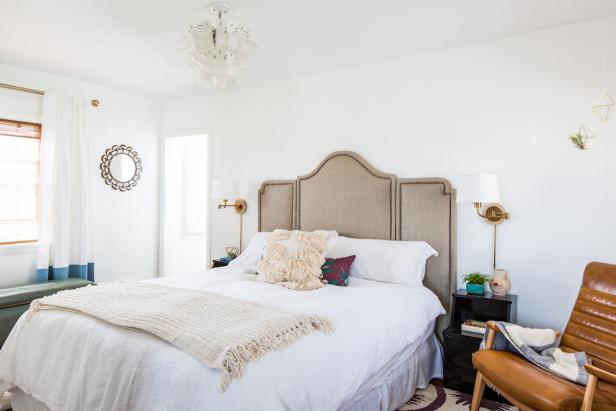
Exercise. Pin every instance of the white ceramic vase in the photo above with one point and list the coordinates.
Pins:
(500, 284)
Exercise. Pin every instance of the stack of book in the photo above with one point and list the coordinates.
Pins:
(474, 327)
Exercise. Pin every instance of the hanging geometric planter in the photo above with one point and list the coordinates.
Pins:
(580, 137)
(604, 105)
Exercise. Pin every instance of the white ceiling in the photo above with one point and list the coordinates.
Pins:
(136, 44)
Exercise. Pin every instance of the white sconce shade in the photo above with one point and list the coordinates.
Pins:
(224, 190)
(478, 188)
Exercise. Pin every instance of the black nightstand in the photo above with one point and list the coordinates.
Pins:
(459, 346)
(219, 263)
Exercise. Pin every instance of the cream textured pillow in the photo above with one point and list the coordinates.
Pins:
(293, 259)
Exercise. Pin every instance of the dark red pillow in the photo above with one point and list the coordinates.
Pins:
(336, 271)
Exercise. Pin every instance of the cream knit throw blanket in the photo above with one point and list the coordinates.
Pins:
(222, 332)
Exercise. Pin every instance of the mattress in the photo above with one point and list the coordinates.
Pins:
(69, 361)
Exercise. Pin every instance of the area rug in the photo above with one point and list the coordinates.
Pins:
(436, 397)
(5, 402)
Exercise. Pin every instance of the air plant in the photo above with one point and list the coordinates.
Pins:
(580, 137)
(578, 140)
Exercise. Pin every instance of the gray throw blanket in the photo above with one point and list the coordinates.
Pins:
(538, 347)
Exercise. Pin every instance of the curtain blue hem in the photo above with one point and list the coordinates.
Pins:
(84, 271)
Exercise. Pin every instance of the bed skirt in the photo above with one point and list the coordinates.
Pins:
(413, 369)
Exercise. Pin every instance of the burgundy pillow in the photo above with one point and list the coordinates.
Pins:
(336, 271)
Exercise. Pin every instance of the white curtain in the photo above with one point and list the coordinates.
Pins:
(65, 239)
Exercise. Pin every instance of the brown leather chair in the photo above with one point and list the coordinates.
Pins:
(591, 328)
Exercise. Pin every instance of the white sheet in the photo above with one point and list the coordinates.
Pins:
(72, 362)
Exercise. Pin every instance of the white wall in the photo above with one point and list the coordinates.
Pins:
(125, 224)
(504, 107)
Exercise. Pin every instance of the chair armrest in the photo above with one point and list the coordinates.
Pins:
(492, 330)
(594, 374)
(492, 326)
(601, 374)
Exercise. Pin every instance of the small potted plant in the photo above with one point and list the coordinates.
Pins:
(475, 283)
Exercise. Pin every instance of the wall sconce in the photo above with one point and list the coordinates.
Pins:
(479, 189)
(224, 191)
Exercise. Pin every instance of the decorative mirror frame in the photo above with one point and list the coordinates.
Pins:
(106, 158)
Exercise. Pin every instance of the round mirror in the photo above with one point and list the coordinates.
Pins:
(121, 167)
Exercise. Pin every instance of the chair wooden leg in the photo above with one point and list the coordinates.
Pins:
(589, 393)
(480, 384)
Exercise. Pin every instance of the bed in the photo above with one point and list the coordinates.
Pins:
(384, 346)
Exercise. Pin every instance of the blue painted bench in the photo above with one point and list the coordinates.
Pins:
(14, 301)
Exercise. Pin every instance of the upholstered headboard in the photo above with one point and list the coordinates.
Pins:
(345, 193)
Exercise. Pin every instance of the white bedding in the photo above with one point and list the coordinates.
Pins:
(72, 362)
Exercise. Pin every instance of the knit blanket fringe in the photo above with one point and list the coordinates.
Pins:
(233, 361)
(221, 332)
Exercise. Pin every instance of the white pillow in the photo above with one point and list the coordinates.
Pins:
(250, 257)
(398, 262)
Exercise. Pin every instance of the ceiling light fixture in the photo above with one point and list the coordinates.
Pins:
(219, 48)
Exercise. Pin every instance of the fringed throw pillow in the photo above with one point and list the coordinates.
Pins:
(293, 259)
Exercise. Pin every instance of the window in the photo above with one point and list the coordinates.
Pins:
(19, 181)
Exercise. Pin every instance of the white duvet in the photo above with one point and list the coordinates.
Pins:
(73, 362)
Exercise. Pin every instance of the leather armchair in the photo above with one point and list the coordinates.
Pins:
(591, 328)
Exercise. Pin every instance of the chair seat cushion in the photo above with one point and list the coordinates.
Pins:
(536, 388)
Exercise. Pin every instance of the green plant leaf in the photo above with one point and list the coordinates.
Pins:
(476, 278)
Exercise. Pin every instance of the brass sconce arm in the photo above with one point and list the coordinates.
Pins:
(494, 213)
(240, 207)
(225, 204)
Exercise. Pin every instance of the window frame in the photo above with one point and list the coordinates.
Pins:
(18, 123)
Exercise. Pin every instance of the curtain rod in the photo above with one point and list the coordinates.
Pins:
(95, 103)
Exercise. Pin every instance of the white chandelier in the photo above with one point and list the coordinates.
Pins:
(219, 48)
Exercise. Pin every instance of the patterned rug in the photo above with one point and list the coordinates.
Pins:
(5, 402)
(437, 397)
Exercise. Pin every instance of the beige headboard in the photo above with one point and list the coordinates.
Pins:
(345, 193)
